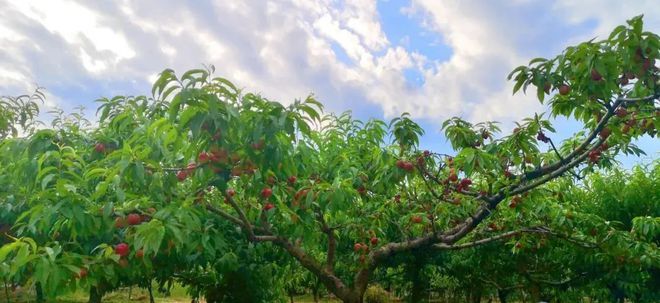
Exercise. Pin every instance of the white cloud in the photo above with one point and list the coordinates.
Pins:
(609, 13)
(80, 27)
(472, 82)
(283, 49)
(361, 17)
(486, 39)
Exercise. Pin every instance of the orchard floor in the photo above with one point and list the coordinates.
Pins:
(123, 298)
(178, 295)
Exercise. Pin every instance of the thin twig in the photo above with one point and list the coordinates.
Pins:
(552, 144)
(6, 290)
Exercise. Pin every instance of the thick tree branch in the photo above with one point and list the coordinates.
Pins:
(499, 287)
(567, 280)
(332, 241)
(453, 235)
(642, 99)
(556, 169)
(573, 240)
(267, 238)
(225, 215)
(246, 223)
(556, 173)
(332, 282)
(175, 169)
(601, 124)
(445, 240)
(548, 173)
(327, 277)
(506, 235)
(260, 238)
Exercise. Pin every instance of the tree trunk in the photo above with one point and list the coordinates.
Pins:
(95, 294)
(418, 291)
(354, 298)
(213, 295)
(616, 293)
(315, 290)
(535, 292)
(6, 290)
(502, 295)
(475, 296)
(151, 294)
(329, 280)
(40, 293)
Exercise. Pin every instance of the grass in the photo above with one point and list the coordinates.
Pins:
(177, 295)
(310, 299)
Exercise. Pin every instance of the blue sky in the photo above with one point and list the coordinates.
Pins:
(435, 59)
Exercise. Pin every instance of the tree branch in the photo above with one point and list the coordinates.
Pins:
(641, 99)
(429, 187)
(266, 237)
(327, 277)
(554, 170)
(601, 124)
(547, 173)
(554, 148)
(443, 246)
(572, 239)
(332, 241)
(246, 223)
(332, 282)
(556, 173)
(225, 215)
(539, 230)
(567, 280)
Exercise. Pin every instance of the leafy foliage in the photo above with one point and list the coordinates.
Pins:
(207, 184)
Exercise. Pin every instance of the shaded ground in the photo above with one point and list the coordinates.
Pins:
(178, 295)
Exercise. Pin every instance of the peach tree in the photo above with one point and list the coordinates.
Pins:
(575, 241)
(155, 184)
(601, 243)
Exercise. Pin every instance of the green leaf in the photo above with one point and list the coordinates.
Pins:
(46, 180)
(8, 248)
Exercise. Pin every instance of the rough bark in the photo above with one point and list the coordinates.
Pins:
(151, 294)
(418, 291)
(332, 282)
(316, 290)
(475, 295)
(95, 294)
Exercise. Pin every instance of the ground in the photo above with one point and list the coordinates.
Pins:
(178, 295)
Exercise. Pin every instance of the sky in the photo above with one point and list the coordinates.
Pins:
(434, 59)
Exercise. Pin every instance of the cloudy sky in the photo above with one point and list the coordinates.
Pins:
(433, 58)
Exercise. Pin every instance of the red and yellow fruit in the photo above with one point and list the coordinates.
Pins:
(134, 219)
(99, 148)
(122, 249)
(266, 192)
